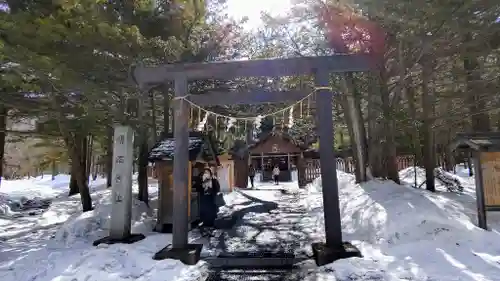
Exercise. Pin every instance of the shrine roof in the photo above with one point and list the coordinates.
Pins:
(280, 134)
(200, 146)
(477, 141)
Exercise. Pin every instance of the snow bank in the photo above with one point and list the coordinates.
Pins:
(130, 262)
(35, 193)
(90, 225)
(409, 234)
(119, 262)
(70, 256)
(443, 178)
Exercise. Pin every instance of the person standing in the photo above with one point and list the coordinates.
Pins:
(276, 174)
(251, 174)
(208, 188)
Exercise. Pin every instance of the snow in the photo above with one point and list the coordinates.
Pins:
(409, 234)
(21, 204)
(404, 233)
(15, 194)
(56, 244)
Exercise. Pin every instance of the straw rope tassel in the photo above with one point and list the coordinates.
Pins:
(233, 121)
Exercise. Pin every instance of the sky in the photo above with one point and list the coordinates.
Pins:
(252, 9)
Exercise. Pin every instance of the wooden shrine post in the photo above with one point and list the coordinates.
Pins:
(328, 163)
(181, 161)
(181, 249)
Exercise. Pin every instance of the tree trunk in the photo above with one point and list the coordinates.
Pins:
(85, 150)
(80, 144)
(408, 91)
(73, 184)
(78, 151)
(81, 181)
(96, 164)
(475, 96)
(415, 134)
(89, 156)
(3, 136)
(153, 116)
(427, 106)
(340, 131)
(353, 109)
(54, 169)
(390, 154)
(375, 142)
(449, 159)
(352, 138)
(109, 156)
(469, 164)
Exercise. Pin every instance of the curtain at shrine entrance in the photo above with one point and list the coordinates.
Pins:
(223, 174)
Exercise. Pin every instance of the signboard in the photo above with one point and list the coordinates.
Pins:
(121, 211)
(275, 148)
(490, 168)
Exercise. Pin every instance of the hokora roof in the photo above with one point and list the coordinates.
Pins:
(199, 146)
(477, 141)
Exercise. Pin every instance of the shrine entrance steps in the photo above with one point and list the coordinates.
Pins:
(254, 266)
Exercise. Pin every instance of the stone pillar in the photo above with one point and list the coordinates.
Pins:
(121, 211)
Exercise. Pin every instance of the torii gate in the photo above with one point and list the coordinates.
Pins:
(320, 67)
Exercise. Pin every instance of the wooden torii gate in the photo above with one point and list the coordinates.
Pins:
(180, 74)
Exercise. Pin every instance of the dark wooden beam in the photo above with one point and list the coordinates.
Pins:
(333, 226)
(180, 218)
(143, 75)
(249, 97)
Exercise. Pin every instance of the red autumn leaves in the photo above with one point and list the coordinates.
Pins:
(350, 32)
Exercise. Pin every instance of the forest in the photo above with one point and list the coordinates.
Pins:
(65, 64)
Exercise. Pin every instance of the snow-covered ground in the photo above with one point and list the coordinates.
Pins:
(410, 234)
(56, 244)
(38, 203)
(403, 232)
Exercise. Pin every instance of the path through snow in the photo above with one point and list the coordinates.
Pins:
(262, 220)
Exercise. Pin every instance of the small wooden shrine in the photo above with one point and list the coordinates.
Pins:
(202, 153)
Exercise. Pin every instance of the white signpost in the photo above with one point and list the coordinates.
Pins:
(121, 211)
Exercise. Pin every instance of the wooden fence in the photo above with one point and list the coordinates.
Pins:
(346, 165)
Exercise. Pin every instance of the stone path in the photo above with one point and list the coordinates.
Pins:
(263, 231)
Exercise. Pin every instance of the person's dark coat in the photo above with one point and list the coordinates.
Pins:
(251, 172)
(207, 188)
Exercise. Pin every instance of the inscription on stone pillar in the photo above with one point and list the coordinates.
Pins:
(121, 212)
